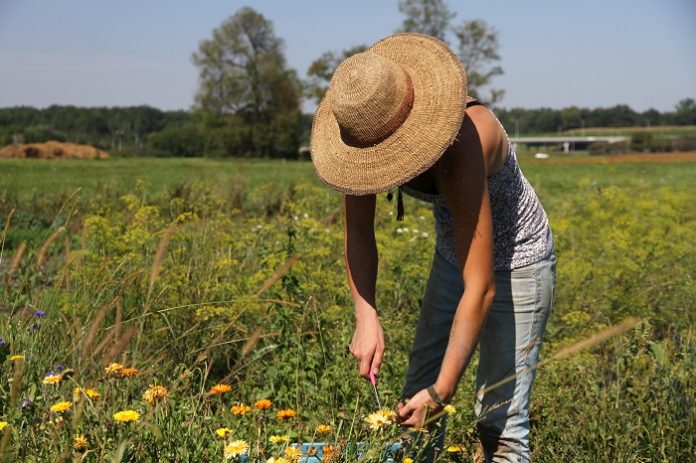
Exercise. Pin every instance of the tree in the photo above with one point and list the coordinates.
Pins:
(321, 70)
(478, 50)
(430, 17)
(477, 42)
(243, 73)
(685, 112)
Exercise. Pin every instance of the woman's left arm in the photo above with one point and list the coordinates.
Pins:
(461, 178)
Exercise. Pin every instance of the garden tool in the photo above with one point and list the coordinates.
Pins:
(373, 381)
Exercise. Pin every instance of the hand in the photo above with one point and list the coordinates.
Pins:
(367, 345)
(416, 411)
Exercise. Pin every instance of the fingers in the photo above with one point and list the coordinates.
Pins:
(377, 360)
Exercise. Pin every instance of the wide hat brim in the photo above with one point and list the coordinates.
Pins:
(439, 94)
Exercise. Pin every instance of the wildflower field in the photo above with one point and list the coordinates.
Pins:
(158, 310)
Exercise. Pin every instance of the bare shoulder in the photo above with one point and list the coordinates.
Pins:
(481, 127)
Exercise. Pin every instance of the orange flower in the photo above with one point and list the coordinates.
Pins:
(286, 414)
(331, 453)
(154, 394)
(220, 389)
(263, 404)
(324, 429)
(129, 372)
(240, 409)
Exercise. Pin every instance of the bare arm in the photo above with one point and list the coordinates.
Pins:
(367, 345)
(461, 178)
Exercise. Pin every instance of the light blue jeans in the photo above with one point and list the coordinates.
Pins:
(509, 347)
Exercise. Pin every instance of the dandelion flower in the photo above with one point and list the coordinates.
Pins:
(380, 419)
(286, 414)
(324, 429)
(53, 378)
(129, 372)
(279, 439)
(223, 433)
(455, 449)
(154, 394)
(91, 393)
(277, 460)
(293, 453)
(127, 416)
(236, 448)
(61, 407)
(332, 453)
(80, 442)
(113, 369)
(407, 460)
(449, 409)
(16, 358)
(263, 404)
(3, 424)
(220, 389)
(240, 409)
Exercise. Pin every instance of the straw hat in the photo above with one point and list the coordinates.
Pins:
(389, 114)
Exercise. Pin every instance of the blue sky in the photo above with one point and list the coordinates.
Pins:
(555, 53)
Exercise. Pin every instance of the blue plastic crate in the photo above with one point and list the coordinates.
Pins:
(389, 453)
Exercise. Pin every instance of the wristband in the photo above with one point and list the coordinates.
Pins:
(435, 396)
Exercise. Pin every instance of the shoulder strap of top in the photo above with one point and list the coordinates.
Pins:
(474, 103)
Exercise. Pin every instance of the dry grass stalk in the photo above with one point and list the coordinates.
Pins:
(47, 244)
(16, 260)
(119, 319)
(4, 231)
(252, 341)
(120, 345)
(92, 331)
(159, 256)
(282, 270)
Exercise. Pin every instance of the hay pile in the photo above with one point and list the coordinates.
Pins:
(53, 150)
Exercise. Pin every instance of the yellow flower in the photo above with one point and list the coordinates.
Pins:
(293, 453)
(236, 448)
(3, 424)
(449, 409)
(223, 433)
(129, 372)
(407, 460)
(16, 357)
(113, 369)
(154, 394)
(263, 404)
(91, 393)
(80, 442)
(380, 419)
(52, 379)
(286, 414)
(240, 409)
(324, 429)
(279, 439)
(61, 407)
(455, 449)
(332, 453)
(277, 460)
(220, 389)
(127, 416)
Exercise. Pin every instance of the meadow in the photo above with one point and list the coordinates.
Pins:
(193, 310)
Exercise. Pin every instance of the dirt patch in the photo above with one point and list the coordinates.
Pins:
(53, 150)
(689, 156)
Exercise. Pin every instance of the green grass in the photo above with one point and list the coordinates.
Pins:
(164, 274)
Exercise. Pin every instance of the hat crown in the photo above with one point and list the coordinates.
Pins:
(371, 97)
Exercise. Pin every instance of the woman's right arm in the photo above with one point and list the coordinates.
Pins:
(367, 345)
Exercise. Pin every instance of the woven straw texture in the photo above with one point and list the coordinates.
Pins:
(393, 126)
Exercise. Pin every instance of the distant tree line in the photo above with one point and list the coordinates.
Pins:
(547, 120)
(248, 101)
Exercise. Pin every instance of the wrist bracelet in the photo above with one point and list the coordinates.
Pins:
(435, 396)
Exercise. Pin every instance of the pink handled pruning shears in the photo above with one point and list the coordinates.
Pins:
(373, 381)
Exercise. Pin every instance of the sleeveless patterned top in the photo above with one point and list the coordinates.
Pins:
(521, 232)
